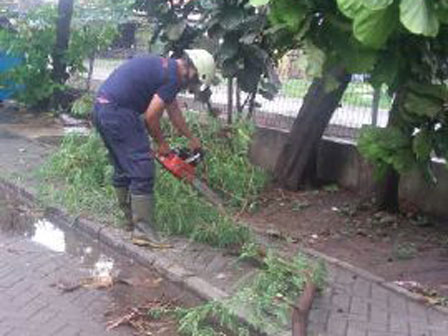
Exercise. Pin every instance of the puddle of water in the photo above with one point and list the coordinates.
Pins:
(49, 236)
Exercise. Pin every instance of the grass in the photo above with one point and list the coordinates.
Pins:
(266, 301)
(78, 174)
(357, 94)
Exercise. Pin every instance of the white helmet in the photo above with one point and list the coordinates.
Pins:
(204, 63)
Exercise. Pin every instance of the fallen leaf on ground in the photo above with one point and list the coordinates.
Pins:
(146, 243)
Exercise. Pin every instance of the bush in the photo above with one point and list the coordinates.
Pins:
(82, 107)
(33, 40)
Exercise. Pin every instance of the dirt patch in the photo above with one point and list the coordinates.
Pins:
(404, 247)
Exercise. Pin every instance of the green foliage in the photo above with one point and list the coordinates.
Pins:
(181, 211)
(82, 107)
(233, 31)
(420, 123)
(420, 17)
(78, 177)
(370, 28)
(227, 167)
(386, 146)
(33, 41)
(265, 300)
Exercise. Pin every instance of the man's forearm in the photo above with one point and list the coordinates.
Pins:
(152, 118)
(153, 125)
(178, 120)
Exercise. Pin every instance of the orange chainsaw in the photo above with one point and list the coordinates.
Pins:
(182, 163)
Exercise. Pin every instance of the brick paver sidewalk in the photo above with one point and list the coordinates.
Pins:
(354, 306)
(30, 304)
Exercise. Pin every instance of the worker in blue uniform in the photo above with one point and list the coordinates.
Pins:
(145, 85)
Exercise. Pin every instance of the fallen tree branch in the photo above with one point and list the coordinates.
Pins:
(301, 310)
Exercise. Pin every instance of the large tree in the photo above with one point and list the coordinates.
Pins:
(402, 44)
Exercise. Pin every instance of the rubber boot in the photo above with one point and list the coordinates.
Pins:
(124, 202)
(144, 223)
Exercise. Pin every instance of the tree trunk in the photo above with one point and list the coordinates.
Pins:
(250, 112)
(296, 164)
(387, 189)
(65, 13)
(239, 107)
(229, 100)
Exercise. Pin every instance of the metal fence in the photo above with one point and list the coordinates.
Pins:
(360, 105)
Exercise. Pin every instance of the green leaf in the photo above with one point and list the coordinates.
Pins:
(422, 105)
(249, 78)
(229, 48)
(229, 68)
(377, 4)
(350, 8)
(257, 3)
(231, 17)
(373, 28)
(288, 12)
(357, 58)
(248, 38)
(419, 17)
(442, 11)
(315, 59)
(175, 31)
(431, 90)
(422, 145)
(386, 69)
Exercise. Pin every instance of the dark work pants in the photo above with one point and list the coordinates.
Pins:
(126, 139)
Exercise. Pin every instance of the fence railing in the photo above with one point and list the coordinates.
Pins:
(360, 104)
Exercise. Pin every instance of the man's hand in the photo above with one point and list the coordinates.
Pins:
(163, 149)
(195, 144)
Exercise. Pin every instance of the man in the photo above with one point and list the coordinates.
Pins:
(145, 85)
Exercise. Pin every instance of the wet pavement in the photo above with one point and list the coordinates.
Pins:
(31, 302)
(56, 281)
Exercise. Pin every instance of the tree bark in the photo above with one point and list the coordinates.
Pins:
(296, 164)
(65, 13)
(239, 107)
(387, 190)
(251, 110)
